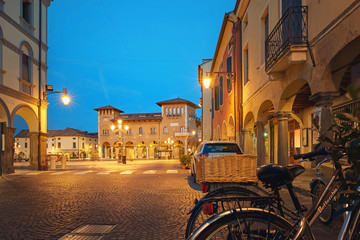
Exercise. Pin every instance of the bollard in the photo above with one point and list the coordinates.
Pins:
(53, 162)
(124, 159)
(63, 162)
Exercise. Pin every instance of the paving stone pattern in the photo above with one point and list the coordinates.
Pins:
(142, 206)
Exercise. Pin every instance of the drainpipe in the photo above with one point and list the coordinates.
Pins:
(40, 90)
(240, 85)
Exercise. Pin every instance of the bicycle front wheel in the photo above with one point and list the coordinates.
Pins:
(250, 224)
(197, 216)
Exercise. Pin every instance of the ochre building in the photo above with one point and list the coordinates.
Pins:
(167, 134)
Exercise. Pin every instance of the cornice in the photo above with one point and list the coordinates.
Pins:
(21, 29)
(18, 51)
(18, 95)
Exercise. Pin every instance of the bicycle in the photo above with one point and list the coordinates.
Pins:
(256, 223)
(204, 208)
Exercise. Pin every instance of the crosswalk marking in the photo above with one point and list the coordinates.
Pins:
(127, 172)
(82, 173)
(35, 173)
(104, 172)
(150, 172)
(59, 173)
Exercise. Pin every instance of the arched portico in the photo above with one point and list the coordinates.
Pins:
(231, 128)
(262, 125)
(224, 136)
(37, 139)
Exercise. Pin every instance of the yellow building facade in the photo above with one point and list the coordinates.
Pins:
(23, 70)
(161, 135)
(293, 62)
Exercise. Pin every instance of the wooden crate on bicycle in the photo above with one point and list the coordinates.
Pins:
(234, 168)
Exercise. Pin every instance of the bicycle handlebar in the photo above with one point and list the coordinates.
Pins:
(310, 155)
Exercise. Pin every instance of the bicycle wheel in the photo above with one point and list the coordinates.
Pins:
(197, 216)
(327, 215)
(249, 224)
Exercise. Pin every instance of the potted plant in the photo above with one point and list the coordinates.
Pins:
(185, 161)
(344, 135)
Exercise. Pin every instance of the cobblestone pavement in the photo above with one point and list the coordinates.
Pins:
(139, 200)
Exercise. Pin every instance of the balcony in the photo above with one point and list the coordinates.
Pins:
(287, 43)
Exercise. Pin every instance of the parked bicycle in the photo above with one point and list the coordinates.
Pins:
(265, 223)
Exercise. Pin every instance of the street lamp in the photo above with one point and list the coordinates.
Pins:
(49, 90)
(119, 129)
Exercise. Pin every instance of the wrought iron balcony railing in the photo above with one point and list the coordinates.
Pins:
(292, 29)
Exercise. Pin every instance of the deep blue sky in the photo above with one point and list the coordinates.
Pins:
(127, 53)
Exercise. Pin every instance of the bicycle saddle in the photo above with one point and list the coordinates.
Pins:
(276, 175)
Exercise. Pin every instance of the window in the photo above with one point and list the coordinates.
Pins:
(140, 130)
(246, 66)
(128, 132)
(182, 110)
(26, 10)
(178, 111)
(83, 145)
(182, 129)
(229, 71)
(153, 130)
(74, 144)
(25, 67)
(75, 139)
(170, 112)
(105, 132)
(217, 99)
(166, 111)
(59, 144)
(264, 33)
(174, 111)
(221, 91)
(165, 130)
(26, 145)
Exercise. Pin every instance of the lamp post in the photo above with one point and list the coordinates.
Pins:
(169, 142)
(119, 129)
(49, 90)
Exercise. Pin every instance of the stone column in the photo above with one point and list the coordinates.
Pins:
(43, 140)
(247, 141)
(260, 143)
(186, 146)
(283, 151)
(34, 151)
(111, 152)
(7, 161)
(147, 152)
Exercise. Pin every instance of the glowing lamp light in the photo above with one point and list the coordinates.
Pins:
(207, 82)
(193, 132)
(119, 121)
(112, 127)
(126, 128)
(65, 99)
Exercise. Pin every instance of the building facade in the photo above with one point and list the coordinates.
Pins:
(166, 134)
(73, 143)
(23, 50)
(292, 62)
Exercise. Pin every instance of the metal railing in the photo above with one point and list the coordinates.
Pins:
(292, 29)
(346, 107)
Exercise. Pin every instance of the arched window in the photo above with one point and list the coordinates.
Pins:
(170, 112)
(128, 131)
(182, 110)
(26, 68)
(178, 111)
(165, 130)
(174, 111)
(166, 112)
(140, 130)
(182, 129)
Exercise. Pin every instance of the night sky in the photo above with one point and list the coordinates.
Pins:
(127, 53)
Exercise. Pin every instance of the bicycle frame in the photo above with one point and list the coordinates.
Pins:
(332, 188)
